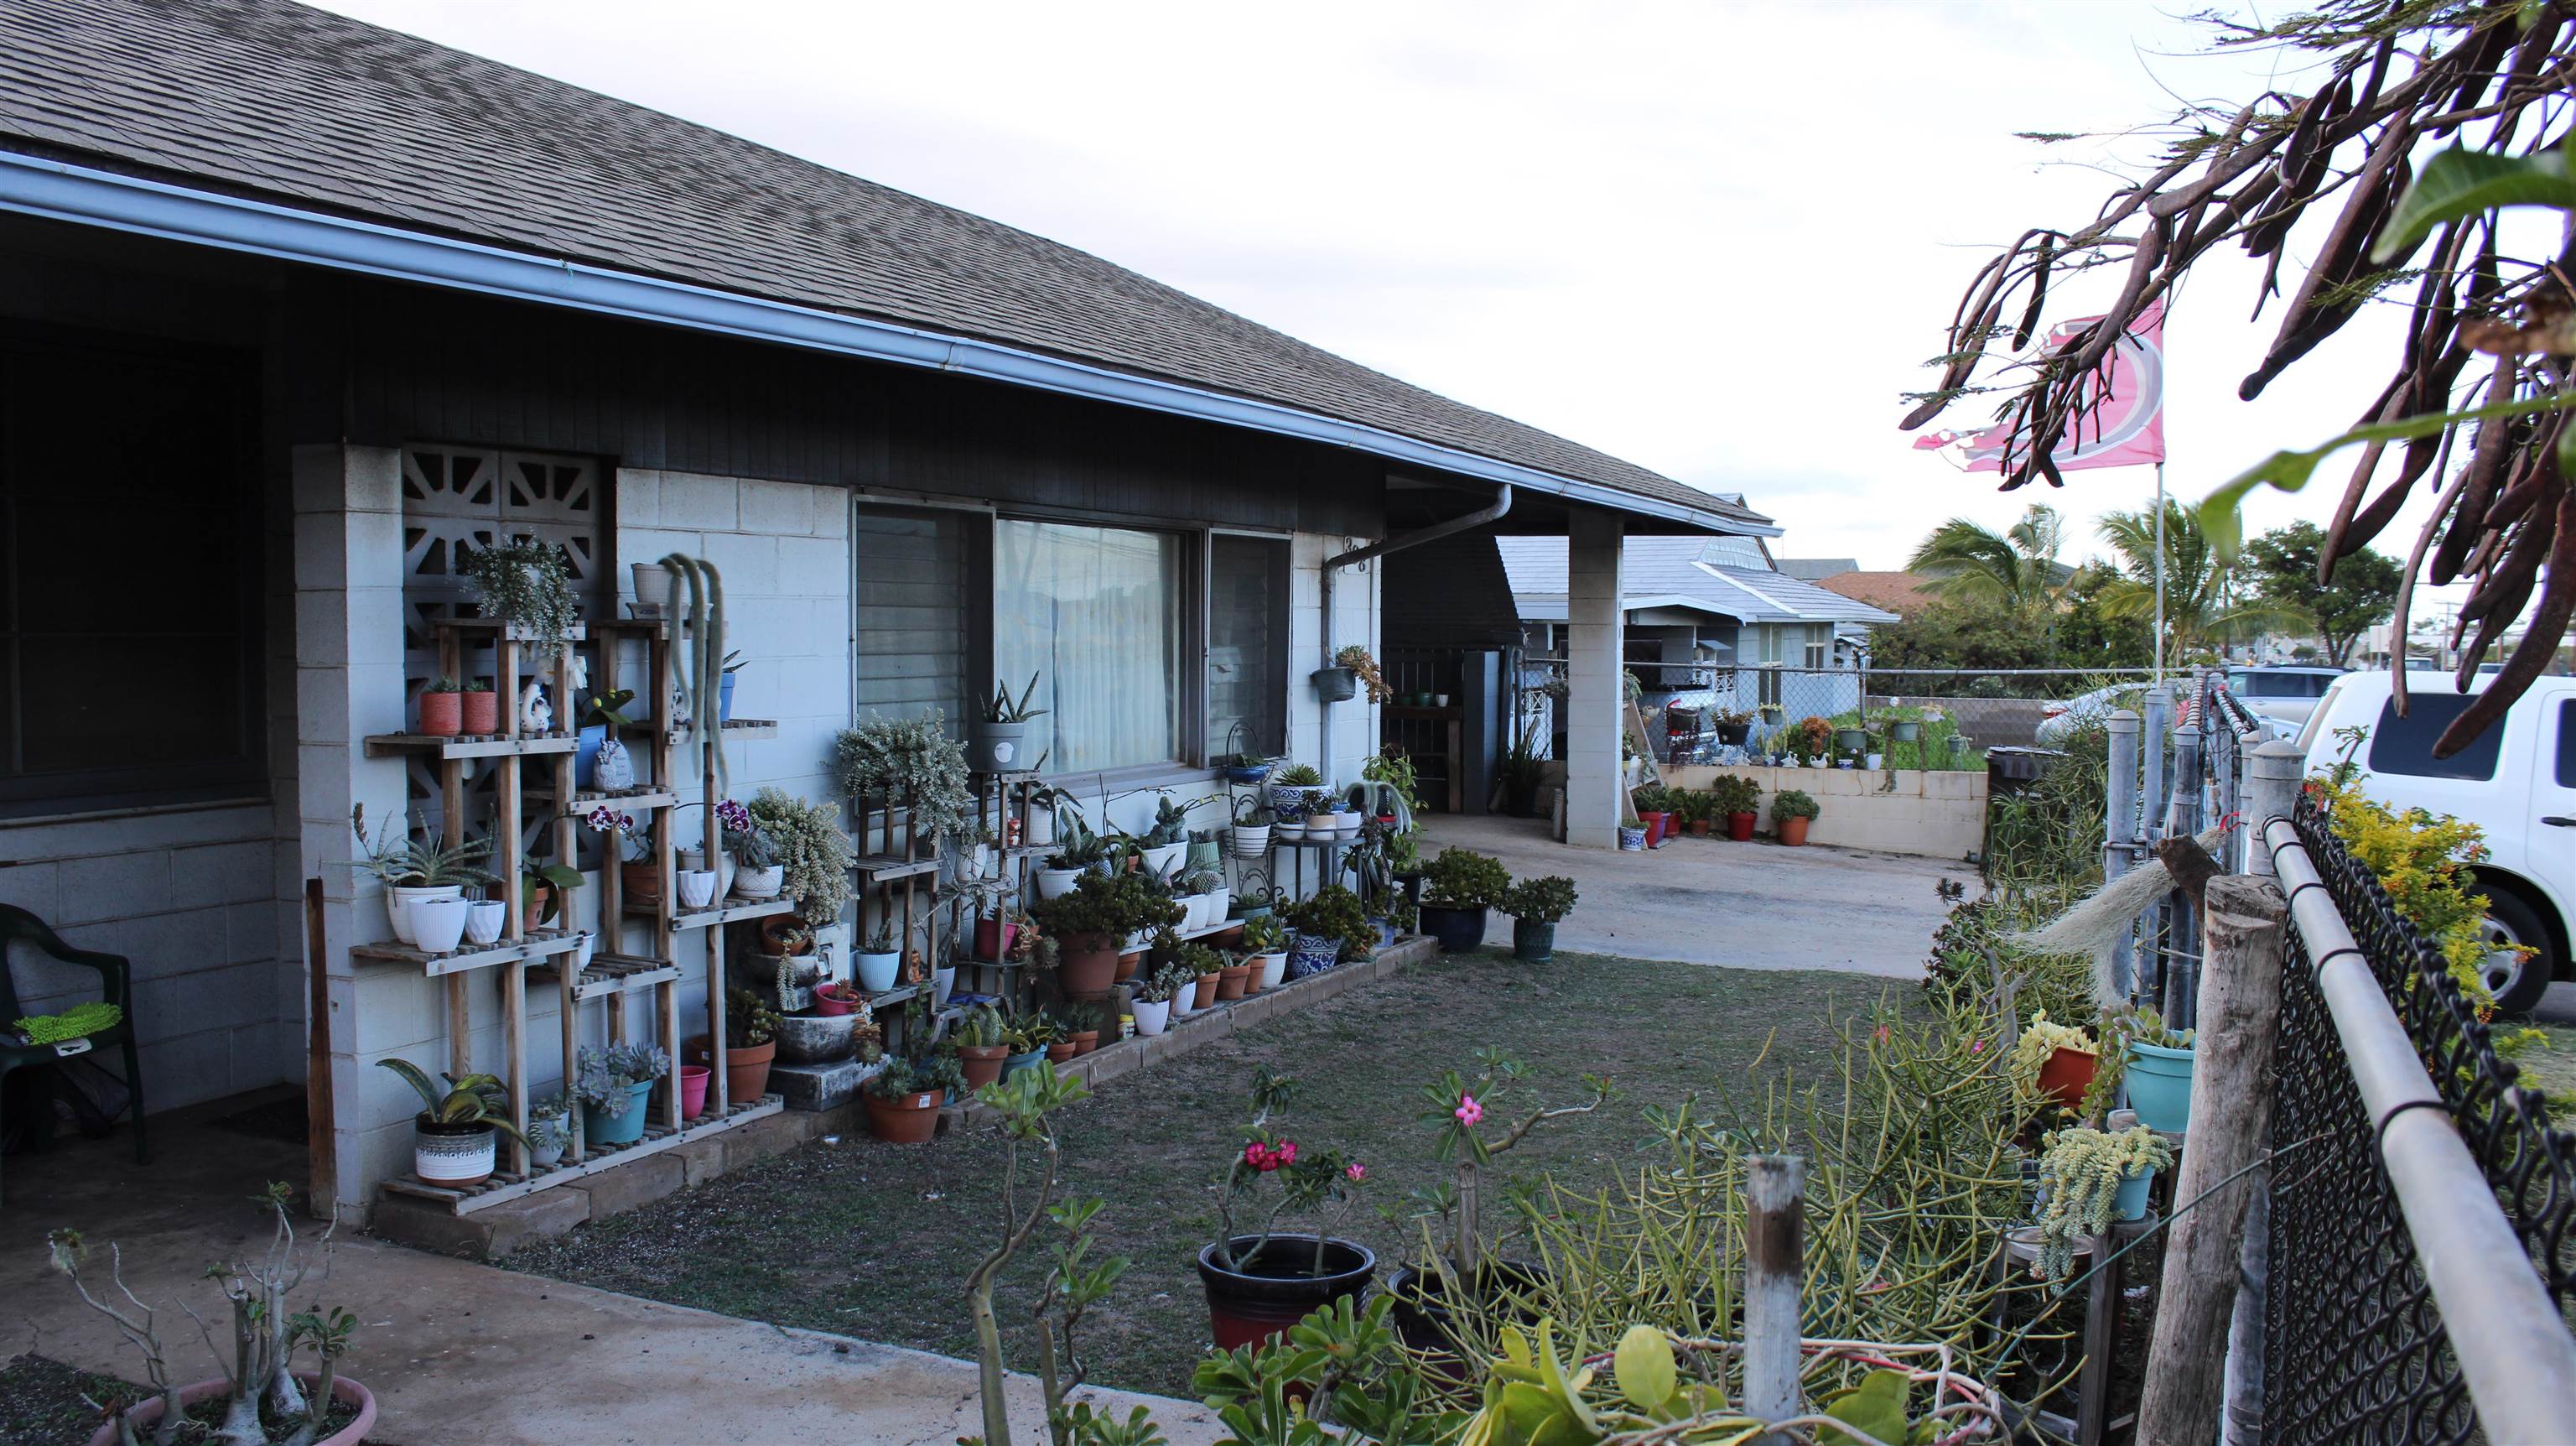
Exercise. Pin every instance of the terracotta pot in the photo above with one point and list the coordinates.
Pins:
(1699, 828)
(1084, 1041)
(785, 934)
(533, 907)
(442, 715)
(905, 1119)
(746, 1070)
(1231, 979)
(982, 1063)
(1739, 826)
(147, 1414)
(1128, 963)
(1060, 1051)
(641, 881)
(1207, 988)
(1250, 1304)
(1088, 963)
(2067, 1074)
(481, 712)
(1793, 831)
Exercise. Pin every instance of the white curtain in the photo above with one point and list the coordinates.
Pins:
(1095, 612)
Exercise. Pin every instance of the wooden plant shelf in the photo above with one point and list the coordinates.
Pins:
(584, 802)
(572, 634)
(885, 868)
(505, 1187)
(738, 729)
(731, 911)
(469, 745)
(543, 943)
(608, 974)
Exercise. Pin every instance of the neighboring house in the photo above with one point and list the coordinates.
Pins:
(1710, 623)
(1901, 593)
(1816, 569)
(294, 309)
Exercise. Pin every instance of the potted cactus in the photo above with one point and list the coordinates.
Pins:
(983, 1044)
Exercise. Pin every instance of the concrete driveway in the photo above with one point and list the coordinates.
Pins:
(1709, 901)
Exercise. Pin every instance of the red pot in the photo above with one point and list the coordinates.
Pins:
(831, 1005)
(1793, 831)
(147, 1414)
(1088, 964)
(440, 715)
(982, 1063)
(1659, 827)
(2067, 1074)
(693, 1089)
(906, 1119)
(482, 711)
(1739, 826)
(993, 938)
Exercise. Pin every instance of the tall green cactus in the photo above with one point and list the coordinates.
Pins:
(706, 647)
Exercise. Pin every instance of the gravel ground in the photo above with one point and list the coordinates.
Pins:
(41, 1405)
(875, 1240)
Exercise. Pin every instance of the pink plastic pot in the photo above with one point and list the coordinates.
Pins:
(693, 1090)
(347, 1391)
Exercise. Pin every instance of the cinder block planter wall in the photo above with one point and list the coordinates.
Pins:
(1934, 814)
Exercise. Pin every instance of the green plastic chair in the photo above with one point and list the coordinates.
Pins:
(116, 986)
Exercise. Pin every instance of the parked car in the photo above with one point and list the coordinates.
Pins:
(2281, 694)
(2517, 783)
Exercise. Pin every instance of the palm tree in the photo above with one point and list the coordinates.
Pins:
(2017, 567)
(2208, 601)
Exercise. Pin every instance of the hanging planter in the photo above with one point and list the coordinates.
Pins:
(1336, 685)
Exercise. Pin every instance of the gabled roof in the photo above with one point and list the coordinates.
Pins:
(1817, 569)
(1675, 572)
(283, 103)
(1900, 592)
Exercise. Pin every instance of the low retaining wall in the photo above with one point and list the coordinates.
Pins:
(1932, 813)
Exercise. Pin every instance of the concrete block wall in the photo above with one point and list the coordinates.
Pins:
(1310, 640)
(1930, 813)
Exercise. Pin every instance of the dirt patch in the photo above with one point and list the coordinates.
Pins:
(874, 1240)
(41, 1401)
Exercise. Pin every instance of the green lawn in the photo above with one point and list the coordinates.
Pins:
(873, 1241)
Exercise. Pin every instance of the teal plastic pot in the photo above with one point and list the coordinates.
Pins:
(1013, 1064)
(2160, 1087)
(601, 1128)
(2129, 1202)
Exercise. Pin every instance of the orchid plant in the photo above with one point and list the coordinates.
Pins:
(605, 820)
(1299, 1179)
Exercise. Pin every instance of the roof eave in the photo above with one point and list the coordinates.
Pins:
(82, 195)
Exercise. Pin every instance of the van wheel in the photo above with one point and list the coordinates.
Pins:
(2517, 980)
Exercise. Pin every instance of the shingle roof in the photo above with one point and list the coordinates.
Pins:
(1900, 592)
(1675, 567)
(293, 104)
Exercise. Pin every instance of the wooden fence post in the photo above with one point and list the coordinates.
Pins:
(2272, 772)
(1775, 1231)
(2231, 1113)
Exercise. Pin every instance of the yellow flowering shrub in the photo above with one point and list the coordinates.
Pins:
(2422, 861)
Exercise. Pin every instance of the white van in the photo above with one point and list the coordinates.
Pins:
(2517, 783)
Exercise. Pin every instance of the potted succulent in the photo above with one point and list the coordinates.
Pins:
(414, 871)
(442, 708)
(549, 1131)
(1331, 925)
(1294, 790)
(994, 736)
(1731, 724)
(1028, 1043)
(524, 583)
(1251, 837)
(809, 850)
(2060, 1058)
(903, 1107)
(1458, 888)
(1207, 971)
(2092, 1178)
(878, 961)
(1353, 667)
(1149, 999)
(263, 1396)
(1259, 1282)
(983, 1045)
(1234, 978)
(455, 1135)
(1080, 1022)
(1740, 800)
(1537, 906)
(1168, 841)
(751, 1045)
(2158, 1063)
(757, 874)
(479, 710)
(912, 760)
(1089, 924)
(612, 1086)
(1792, 809)
(838, 997)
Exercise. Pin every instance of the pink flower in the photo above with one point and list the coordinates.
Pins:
(1356, 1171)
(1257, 1155)
(1468, 1111)
(1286, 1153)
(1976, 1046)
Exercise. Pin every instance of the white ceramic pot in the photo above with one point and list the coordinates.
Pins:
(1273, 968)
(697, 888)
(546, 1157)
(584, 944)
(1193, 912)
(1056, 883)
(1150, 1018)
(398, 899)
(942, 980)
(1252, 841)
(1162, 861)
(453, 1156)
(1219, 901)
(437, 924)
(760, 883)
(696, 859)
(652, 589)
(484, 918)
(1181, 1003)
(1877, 761)
(877, 971)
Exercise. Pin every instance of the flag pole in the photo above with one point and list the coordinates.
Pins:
(2160, 573)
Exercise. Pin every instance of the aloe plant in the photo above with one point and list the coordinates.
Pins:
(474, 1099)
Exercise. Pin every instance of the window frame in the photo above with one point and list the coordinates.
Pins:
(1192, 690)
(1283, 600)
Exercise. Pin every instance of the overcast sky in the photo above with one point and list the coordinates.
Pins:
(1718, 240)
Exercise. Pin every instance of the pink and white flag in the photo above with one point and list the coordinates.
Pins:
(2122, 429)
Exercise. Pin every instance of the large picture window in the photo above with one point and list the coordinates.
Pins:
(130, 564)
(1100, 614)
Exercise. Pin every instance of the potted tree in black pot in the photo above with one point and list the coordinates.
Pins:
(1259, 1282)
(1536, 907)
(1458, 888)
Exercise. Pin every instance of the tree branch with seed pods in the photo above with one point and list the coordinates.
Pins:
(2429, 122)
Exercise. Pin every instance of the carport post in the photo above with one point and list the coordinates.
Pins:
(1595, 665)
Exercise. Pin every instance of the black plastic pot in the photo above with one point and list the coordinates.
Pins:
(1422, 1306)
(1336, 685)
(1458, 930)
(1732, 735)
(1272, 1290)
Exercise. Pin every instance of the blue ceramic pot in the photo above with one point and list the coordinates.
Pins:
(601, 1128)
(2129, 1202)
(1313, 954)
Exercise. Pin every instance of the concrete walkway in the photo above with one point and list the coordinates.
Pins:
(1710, 901)
(460, 1354)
